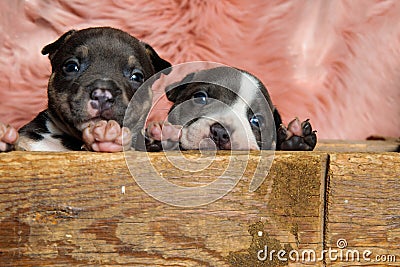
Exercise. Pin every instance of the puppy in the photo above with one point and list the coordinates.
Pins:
(225, 108)
(95, 73)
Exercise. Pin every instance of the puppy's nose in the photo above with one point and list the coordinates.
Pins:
(219, 135)
(103, 99)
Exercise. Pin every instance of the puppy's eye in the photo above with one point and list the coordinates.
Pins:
(71, 66)
(200, 98)
(256, 120)
(137, 76)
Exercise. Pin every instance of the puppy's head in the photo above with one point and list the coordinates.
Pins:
(95, 73)
(222, 108)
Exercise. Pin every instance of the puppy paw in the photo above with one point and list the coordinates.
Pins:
(161, 135)
(297, 136)
(8, 137)
(107, 136)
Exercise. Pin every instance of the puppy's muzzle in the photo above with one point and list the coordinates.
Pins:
(220, 136)
(101, 99)
(102, 95)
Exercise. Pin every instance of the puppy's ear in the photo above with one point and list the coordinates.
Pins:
(159, 64)
(173, 90)
(52, 48)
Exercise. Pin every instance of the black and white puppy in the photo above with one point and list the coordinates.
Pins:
(225, 108)
(95, 73)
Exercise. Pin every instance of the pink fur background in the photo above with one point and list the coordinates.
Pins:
(335, 62)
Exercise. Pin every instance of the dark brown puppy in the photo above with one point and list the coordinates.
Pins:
(95, 73)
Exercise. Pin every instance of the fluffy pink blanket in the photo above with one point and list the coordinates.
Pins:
(335, 62)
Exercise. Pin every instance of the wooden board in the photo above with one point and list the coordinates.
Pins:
(84, 209)
(345, 146)
(364, 208)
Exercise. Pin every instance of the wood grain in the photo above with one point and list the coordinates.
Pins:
(364, 206)
(356, 146)
(84, 209)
